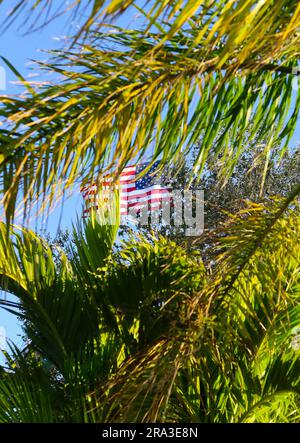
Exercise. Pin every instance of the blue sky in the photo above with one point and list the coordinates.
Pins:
(19, 49)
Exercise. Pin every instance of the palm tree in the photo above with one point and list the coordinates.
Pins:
(145, 332)
(210, 70)
(84, 316)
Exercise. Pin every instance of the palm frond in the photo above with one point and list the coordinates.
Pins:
(248, 306)
(26, 394)
(159, 90)
(40, 13)
(147, 334)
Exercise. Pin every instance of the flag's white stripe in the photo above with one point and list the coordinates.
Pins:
(143, 191)
(128, 169)
(131, 192)
(124, 178)
(126, 211)
(135, 205)
(157, 200)
(160, 194)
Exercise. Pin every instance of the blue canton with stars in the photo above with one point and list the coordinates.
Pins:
(149, 179)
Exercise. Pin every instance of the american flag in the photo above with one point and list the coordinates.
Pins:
(135, 193)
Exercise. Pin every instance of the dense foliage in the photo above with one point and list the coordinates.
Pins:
(222, 72)
(146, 332)
(142, 329)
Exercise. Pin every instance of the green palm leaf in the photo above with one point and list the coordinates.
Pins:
(163, 90)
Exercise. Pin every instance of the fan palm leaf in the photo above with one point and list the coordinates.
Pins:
(224, 331)
(87, 314)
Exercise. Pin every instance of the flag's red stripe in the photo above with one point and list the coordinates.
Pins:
(132, 172)
(152, 200)
(123, 211)
(142, 194)
(124, 193)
